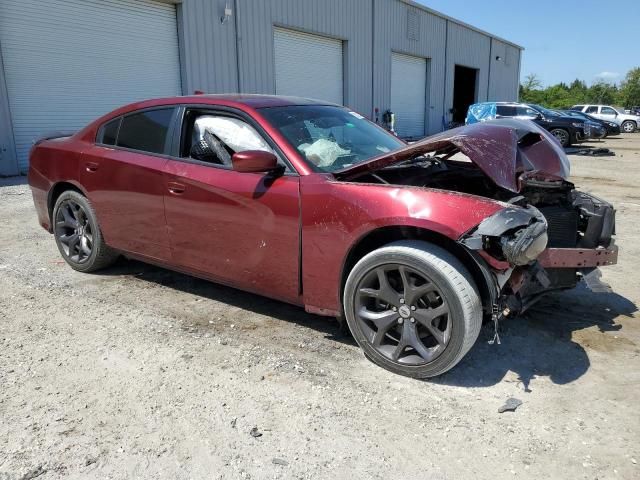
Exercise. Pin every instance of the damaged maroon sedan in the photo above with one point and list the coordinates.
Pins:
(412, 245)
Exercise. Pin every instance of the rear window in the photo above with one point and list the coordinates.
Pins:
(109, 132)
(592, 109)
(146, 131)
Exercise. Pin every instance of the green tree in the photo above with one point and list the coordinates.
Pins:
(603, 92)
(629, 94)
(558, 96)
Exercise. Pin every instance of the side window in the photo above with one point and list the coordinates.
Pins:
(592, 109)
(215, 138)
(527, 112)
(108, 132)
(506, 110)
(577, 107)
(607, 111)
(146, 131)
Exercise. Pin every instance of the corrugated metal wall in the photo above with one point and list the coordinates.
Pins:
(391, 33)
(238, 55)
(218, 60)
(208, 47)
(505, 72)
(215, 62)
(8, 157)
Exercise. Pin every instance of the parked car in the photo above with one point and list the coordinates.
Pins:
(593, 128)
(566, 130)
(312, 204)
(611, 128)
(628, 122)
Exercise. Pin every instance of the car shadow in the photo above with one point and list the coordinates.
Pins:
(548, 340)
(540, 343)
(258, 304)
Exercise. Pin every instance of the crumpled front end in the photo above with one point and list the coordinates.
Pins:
(558, 238)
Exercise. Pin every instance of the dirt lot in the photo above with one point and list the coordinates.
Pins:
(138, 372)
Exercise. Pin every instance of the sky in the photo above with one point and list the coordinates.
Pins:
(563, 39)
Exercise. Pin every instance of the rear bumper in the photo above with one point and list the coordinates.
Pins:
(578, 257)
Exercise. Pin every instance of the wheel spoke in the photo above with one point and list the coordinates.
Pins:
(410, 338)
(84, 246)
(385, 293)
(426, 316)
(69, 220)
(413, 293)
(73, 242)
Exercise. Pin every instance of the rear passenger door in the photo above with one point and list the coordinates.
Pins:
(123, 176)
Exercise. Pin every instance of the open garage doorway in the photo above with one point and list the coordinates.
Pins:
(465, 91)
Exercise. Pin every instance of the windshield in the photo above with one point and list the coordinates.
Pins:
(330, 138)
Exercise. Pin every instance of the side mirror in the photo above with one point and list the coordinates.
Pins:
(254, 161)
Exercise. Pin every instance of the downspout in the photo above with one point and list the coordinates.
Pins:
(446, 70)
(490, 63)
(373, 59)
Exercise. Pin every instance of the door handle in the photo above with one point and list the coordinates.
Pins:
(176, 188)
(92, 166)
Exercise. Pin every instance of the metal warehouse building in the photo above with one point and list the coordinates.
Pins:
(66, 62)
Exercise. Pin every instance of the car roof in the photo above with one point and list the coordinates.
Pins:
(235, 99)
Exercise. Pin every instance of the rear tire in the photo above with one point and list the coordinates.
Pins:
(413, 308)
(628, 126)
(78, 235)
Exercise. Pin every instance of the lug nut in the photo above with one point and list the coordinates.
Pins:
(412, 320)
(400, 320)
(413, 307)
(395, 309)
(402, 300)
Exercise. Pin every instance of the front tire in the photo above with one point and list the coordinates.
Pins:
(413, 308)
(562, 136)
(78, 235)
(628, 126)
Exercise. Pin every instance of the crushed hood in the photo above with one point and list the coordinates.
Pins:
(507, 150)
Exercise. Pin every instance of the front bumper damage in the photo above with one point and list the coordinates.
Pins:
(532, 251)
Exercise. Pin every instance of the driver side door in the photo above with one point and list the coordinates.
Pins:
(241, 229)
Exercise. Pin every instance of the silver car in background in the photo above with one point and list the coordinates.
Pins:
(629, 123)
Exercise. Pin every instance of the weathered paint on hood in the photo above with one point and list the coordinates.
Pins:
(506, 150)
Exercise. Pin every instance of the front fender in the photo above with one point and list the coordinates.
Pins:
(337, 215)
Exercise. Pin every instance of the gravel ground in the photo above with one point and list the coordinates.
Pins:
(138, 372)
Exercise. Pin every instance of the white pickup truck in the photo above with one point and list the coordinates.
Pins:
(627, 121)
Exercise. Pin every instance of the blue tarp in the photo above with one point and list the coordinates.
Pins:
(479, 112)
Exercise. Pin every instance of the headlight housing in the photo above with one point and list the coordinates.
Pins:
(526, 244)
(517, 235)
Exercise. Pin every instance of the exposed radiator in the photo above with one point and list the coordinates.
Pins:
(563, 226)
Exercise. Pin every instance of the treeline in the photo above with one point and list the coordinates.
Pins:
(561, 95)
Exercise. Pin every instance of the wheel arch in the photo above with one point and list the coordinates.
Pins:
(55, 191)
(379, 237)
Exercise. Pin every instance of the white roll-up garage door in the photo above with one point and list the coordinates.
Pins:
(408, 94)
(69, 61)
(308, 66)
